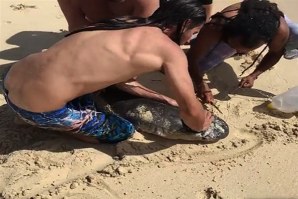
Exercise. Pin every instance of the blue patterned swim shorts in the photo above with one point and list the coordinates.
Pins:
(79, 116)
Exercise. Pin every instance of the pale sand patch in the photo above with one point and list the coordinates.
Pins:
(257, 160)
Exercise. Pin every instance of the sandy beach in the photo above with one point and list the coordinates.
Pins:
(257, 160)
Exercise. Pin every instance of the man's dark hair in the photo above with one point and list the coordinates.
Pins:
(170, 13)
(257, 21)
(175, 12)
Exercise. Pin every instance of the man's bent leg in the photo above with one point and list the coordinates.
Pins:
(113, 129)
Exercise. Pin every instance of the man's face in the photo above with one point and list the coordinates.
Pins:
(188, 33)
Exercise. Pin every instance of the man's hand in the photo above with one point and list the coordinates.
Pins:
(205, 94)
(207, 97)
(169, 100)
(248, 81)
(208, 119)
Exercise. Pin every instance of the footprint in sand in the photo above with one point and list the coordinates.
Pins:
(22, 7)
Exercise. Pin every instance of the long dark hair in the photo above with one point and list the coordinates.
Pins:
(170, 13)
(257, 21)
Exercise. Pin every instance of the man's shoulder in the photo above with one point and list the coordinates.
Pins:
(173, 53)
(154, 36)
(280, 39)
(170, 48)
(157, 41)
(284, 29)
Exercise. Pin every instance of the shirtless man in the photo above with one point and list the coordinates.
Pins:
(239, 28)
(80, 13)
(52, 89)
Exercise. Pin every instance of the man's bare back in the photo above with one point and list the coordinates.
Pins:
(84, 63)
(80, 13)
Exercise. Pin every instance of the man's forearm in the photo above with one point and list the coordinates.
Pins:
(267, 62)
(135, 88)
(197, 78)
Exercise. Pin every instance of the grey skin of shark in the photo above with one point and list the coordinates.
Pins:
(160, 119)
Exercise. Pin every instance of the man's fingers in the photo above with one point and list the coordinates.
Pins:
(208, 120)
(208, 114)
(241, 82)
(209, 98)
(246, 85)
(242, 85)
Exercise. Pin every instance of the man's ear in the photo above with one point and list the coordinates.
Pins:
(186, 23)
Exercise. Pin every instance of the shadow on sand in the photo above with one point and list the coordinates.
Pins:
(15, 137)
(224, 79)
(263, 108)
(28, 42)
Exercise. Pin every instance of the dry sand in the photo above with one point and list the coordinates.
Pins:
(257, 160)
